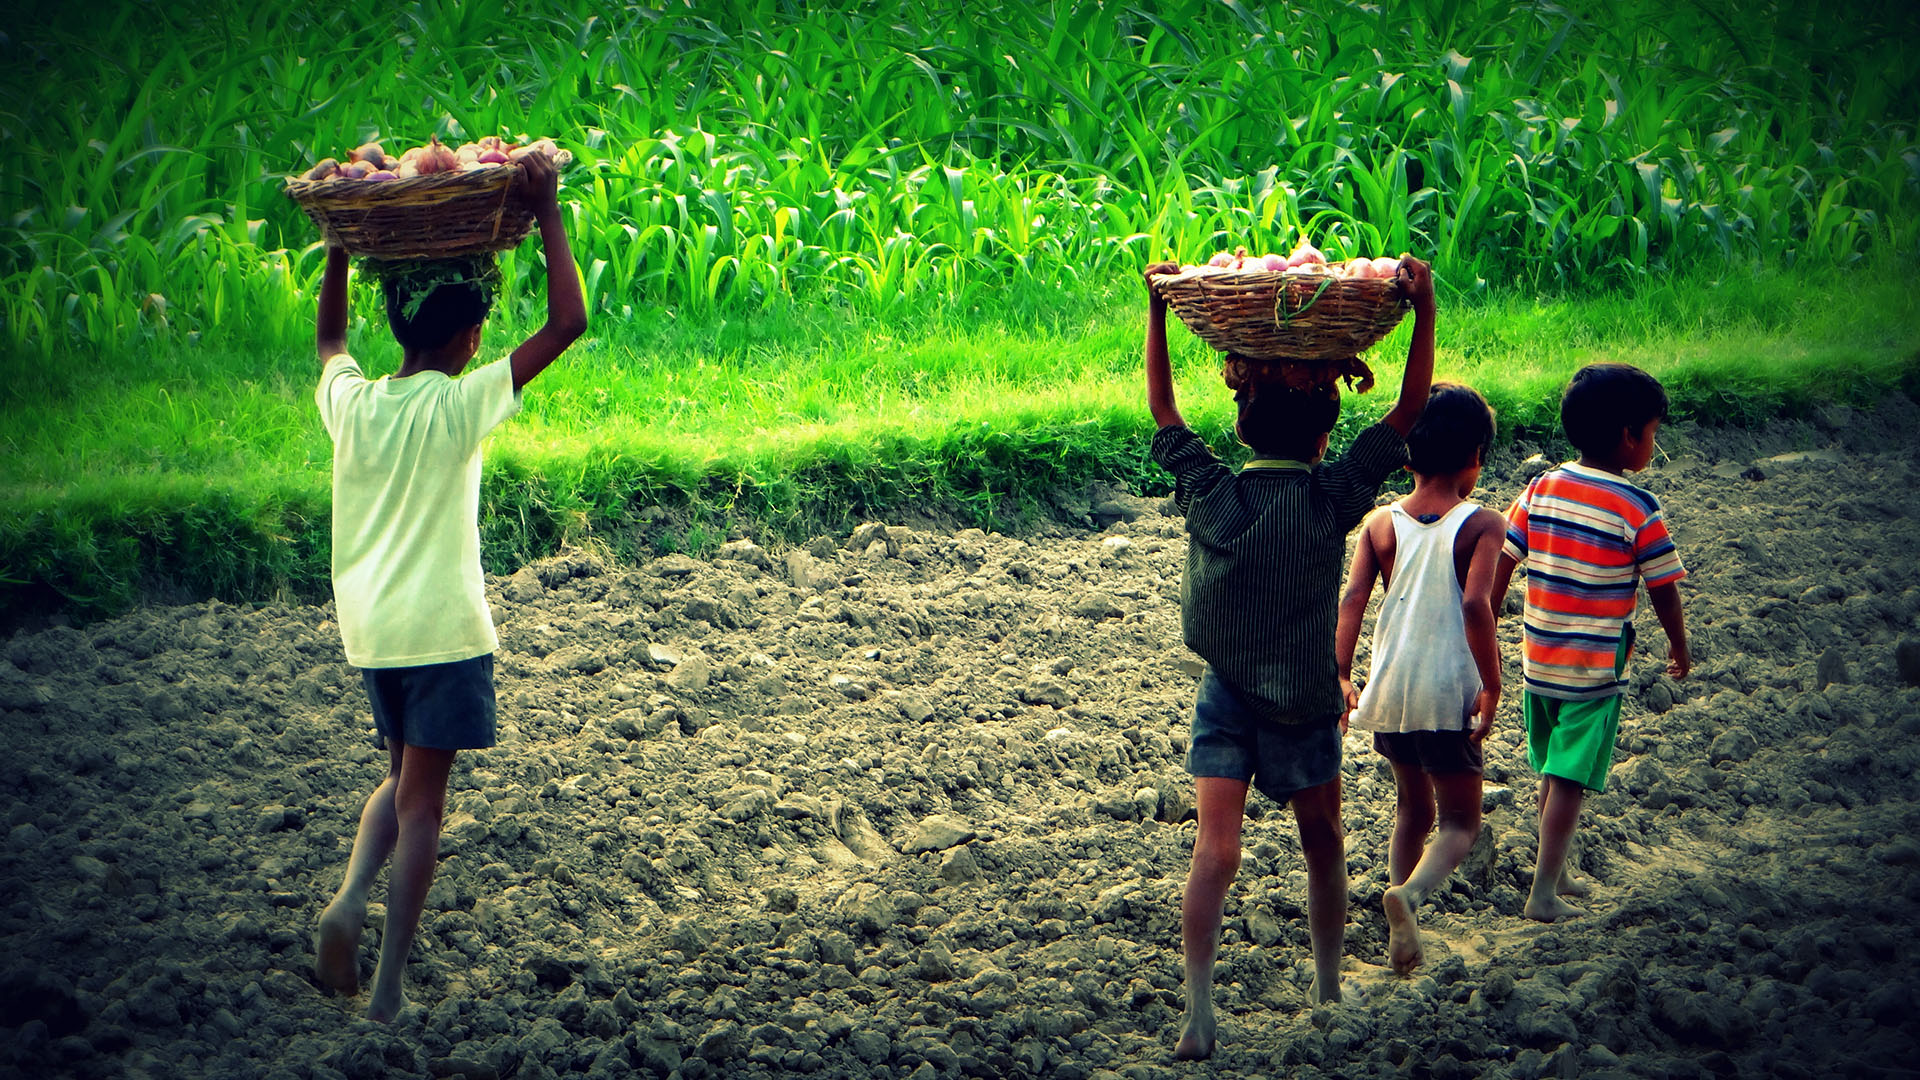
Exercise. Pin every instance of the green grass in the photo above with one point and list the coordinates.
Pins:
(880, 258)
(205, 470)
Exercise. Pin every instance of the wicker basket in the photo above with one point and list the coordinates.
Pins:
(439, 215)
(1267, 315)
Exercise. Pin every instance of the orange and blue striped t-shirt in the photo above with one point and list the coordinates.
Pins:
(1586, 538)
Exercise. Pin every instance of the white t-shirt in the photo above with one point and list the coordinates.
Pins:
(407, 583)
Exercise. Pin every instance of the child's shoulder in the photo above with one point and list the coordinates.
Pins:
(1482, 520)
(1602, 491)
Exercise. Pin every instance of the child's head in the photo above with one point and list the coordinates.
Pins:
(1605, 402)
(437, 305)
(1280, 421)
(1454, 432)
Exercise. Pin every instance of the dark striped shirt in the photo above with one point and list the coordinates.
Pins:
(1261, 592)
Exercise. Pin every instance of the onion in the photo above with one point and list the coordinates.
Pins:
(1220, 258)
(354, 170)
(437, 158)
(1385, 267)
(1304, 253)
(381, 174)
(371, 153)
(325, 168)
(1274, 262)
(492, 157)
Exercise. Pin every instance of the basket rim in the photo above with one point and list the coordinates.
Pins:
(1250, 277)
(342, 191)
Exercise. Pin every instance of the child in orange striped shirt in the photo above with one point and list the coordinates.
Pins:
(1587, 537)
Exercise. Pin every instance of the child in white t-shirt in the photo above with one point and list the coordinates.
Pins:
(1435, 680)
(409, 594)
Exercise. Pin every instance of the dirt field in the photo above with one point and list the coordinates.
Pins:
(911, 804)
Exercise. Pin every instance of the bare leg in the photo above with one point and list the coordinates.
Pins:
(1412, 821)
(1220, 802)
(1459, 799)
(336, 942)
(1559, 814)
(1322, 842)
(1568, 884)
(419, 802)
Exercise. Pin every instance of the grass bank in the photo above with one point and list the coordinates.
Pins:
(191, 470)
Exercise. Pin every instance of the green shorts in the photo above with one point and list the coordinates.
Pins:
(1574, 739)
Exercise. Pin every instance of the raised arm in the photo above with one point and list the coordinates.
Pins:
(1159, 369)
(1353, 608)
(1417, 280)
(330, 336)
(566, 309)
(1476, 607)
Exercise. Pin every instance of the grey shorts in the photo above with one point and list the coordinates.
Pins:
(438, 706)
(1230, 740)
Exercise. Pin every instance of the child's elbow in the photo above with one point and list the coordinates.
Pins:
(572, 327)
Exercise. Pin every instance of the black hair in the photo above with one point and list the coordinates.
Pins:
(1280, 421)
(1456, 422)
(1605, 399)
(431, 300)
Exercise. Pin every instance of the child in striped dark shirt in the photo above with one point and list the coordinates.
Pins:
(1258, 603)
(1587, 538)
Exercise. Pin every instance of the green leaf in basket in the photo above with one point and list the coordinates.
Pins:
(1280, 300)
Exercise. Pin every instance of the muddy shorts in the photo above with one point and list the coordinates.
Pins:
(1574, 739)
(439, 706)
(1432, 751)
(1230, 740)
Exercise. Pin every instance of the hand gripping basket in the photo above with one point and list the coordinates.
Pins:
(1314, 322)
(436, 216)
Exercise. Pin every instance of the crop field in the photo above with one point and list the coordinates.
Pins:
(842, 710)
(856, 260)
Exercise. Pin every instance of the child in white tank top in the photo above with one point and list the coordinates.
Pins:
(1435, 676)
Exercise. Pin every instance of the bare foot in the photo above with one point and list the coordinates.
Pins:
(1320, 995)
(336, 946)
(1549, 910)
(1197, 1041)
(1403, 931)
(1571, 886)
(386, 1003)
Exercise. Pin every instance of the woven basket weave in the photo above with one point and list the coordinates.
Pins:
(1267, 315)
(439, 215)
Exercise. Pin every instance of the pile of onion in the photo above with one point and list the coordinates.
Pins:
(370, 162)
(1307, 259)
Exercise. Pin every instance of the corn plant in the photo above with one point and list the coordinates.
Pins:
(732, 156)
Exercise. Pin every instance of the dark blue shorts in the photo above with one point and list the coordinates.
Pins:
(438, 706)
(1230, 740)
(1433, 752)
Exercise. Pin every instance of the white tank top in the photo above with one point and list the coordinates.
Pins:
(1423, 676)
